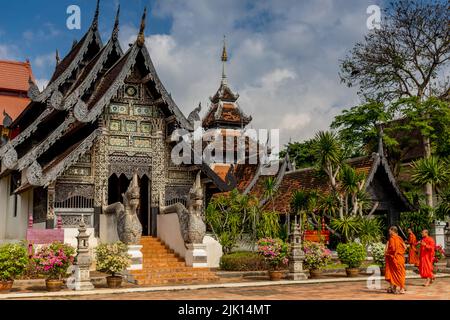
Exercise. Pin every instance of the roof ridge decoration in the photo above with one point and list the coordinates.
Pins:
(141, 36)
(33, 90)
(115, 32)
(94, 24)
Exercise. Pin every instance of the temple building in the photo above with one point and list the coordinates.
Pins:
(14, 83)
(103, 116)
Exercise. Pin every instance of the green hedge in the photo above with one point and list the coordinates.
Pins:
(242, 261)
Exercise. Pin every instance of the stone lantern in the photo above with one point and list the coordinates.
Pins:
(297, 255)
(82, 260)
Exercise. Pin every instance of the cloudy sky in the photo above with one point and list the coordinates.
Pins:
(284, 55)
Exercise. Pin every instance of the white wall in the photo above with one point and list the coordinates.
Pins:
(16, 227)
(169, 232)
(108, 228)
(4, 195)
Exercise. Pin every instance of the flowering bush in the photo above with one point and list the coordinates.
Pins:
(439, 254)
(378, 253)
(112, 258)
(274, 251)
(13, 261)
(54, 260)
(317, 256)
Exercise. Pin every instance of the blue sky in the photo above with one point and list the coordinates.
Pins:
(284, 55)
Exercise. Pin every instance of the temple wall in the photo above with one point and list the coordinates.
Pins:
(16, 226)
(4, 195)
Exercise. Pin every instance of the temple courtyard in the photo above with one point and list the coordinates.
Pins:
(329, 288)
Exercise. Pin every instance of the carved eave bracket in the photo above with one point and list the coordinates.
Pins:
(33, 91)
(56, 100)
(10, 157)
(34, 174)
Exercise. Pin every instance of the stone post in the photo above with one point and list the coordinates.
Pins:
(447, 245)
(81, 274)
(438, 233)
(297, 255)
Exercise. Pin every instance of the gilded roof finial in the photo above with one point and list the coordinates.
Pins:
(141, 36)
(115, 33)
(97, 13)
(58, 59)
(224, 60)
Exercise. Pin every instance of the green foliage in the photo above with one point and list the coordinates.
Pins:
(275, 252)
(351, 254)
(416, 220)
(229, 216)
(327, 149)
(268, 225)
(112, 258)
(301, 153)
(430, 170)
(378, 249)
(358, 127)
(242, 261)
(443, 209)
(13, 261)
(371, 230)
(348, 226)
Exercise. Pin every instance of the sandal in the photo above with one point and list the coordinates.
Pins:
(390, 290)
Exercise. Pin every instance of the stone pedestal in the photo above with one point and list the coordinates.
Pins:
(438, 233)
(136, 257)
(80, 280)
(447, 245)
(196, 255)
(296, 255)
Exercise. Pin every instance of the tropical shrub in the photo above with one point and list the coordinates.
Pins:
(378, 253)
(416, 220)
(54, 260)
(351, 254)
(439, 254)
(348, 226)
(370, 230)
(268, 225)
(242, 261)
(112, 258)
(317, 256)
(274, 251)
(13, 261)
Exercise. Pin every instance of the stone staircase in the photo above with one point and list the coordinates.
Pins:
(161, 266)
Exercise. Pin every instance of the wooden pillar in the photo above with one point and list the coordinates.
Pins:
(50, 222)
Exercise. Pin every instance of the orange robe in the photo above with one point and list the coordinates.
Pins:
(413, 256)
(426, 257)
(395, 262)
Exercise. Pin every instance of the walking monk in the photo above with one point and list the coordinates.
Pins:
(426, 256)
(395, 262)
(412, 241)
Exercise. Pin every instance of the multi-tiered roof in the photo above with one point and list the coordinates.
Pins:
(61, 123)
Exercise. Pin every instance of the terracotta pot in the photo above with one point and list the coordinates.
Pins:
(5, 286)
(276, 275)
(352, 272)
(114, 281)
(53, 285)
(315, 273)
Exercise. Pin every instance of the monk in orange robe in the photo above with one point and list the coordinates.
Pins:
(395, 262)
(426, 255)
(413, 255)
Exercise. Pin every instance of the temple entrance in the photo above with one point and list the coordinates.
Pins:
(117, 186)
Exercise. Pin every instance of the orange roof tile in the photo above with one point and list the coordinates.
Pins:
(13, 106)
(221, 170)
(14, 76)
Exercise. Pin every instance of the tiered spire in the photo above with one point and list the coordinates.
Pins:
(97, 13)
(224, 60)
(58, 59)
(115, 33)
(141, 36)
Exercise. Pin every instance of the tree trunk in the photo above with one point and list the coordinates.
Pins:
(428, 186)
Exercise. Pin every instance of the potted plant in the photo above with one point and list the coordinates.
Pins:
(378, 256)
(13, 263)
(53, 261)
(317, 256)
(439, 254)
(351, 254)
(113, 259)
(275, 253)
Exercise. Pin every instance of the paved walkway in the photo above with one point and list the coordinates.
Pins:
(440, 290)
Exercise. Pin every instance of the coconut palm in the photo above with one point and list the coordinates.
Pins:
(270, 186)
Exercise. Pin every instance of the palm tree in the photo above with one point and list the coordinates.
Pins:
(433, 171)
(270, 186)
(352, 183)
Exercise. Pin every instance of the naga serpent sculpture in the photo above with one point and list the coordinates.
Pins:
(192, 225)
(129, 227)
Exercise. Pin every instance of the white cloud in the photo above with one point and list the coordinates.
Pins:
(8, 52)
(41, 83)
(44, 61)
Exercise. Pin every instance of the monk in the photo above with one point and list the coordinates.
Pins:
(413, 255)
(426, 256)
(395, 262)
